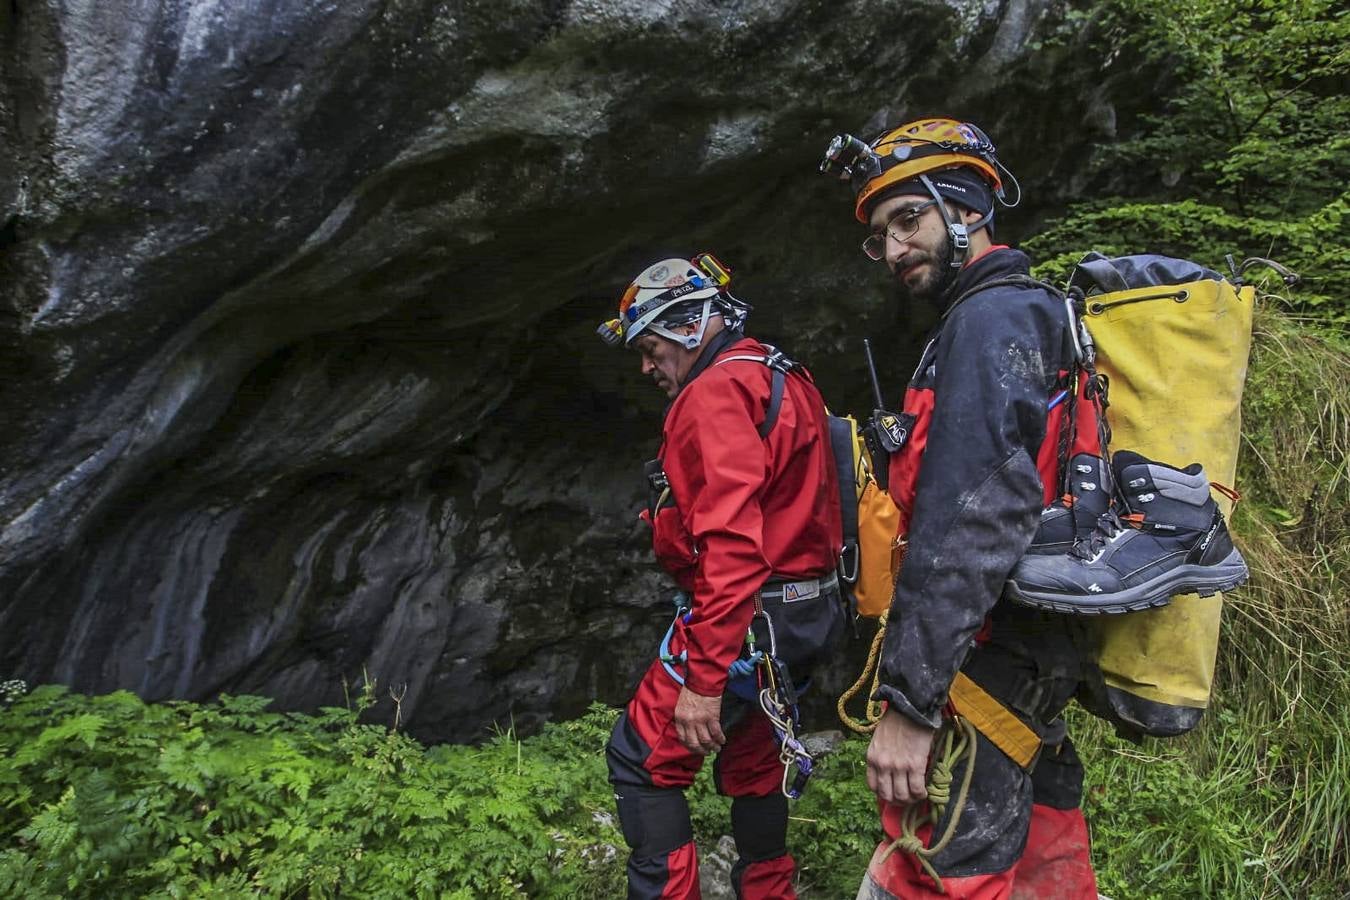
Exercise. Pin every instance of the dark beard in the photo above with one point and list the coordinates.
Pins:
(935, 282)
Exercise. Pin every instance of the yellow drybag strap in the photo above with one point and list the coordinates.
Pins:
(993, 720)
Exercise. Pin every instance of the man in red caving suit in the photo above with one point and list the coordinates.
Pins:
(744, 512)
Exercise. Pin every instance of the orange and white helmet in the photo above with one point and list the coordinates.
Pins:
(671, 293)
(919, 152)
(908, 152)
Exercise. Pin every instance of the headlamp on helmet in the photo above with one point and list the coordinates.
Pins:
(850, 158)
(909, 152)
(713, 267)
(611, 332)
(671, 293)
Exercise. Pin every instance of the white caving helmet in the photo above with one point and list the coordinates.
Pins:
(675, 292)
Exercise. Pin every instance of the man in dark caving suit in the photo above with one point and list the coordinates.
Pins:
(745, 514)
(983, 454)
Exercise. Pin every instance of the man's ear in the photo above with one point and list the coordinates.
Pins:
(960, 213)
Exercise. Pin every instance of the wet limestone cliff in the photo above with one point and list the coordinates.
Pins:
(297, 310)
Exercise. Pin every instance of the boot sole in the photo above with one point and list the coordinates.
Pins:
(1187, 579)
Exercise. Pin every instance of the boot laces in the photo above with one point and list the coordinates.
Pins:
(1109, 525)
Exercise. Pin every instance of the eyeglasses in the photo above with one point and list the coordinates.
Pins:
(901, 227)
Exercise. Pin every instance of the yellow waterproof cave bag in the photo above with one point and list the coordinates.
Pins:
(1172, 338)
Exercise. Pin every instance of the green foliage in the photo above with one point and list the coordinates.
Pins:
(1243, 807)
(835, 826)
(108, 796)
(1258, 113)
(1247, 155)
(179, 800)
(1315, 246)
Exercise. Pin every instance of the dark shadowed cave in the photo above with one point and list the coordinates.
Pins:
(297, 310)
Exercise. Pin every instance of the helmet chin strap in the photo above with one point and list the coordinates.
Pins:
(687, 341)
(957, 232)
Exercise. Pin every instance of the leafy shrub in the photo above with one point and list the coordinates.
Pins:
(109, 796)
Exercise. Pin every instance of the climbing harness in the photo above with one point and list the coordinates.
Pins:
(775, 692)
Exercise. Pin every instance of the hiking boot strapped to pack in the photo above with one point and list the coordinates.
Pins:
(1073, 516)
(1167, 537)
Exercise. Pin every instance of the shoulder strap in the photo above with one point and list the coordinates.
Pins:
(775, 403)
(1025, 281)
(781, 365)
(843, 446)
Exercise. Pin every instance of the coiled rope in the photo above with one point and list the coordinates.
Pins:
(873, 709)
(957, 737)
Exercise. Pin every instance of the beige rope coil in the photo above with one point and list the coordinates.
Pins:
(873, 709)
(957, 737)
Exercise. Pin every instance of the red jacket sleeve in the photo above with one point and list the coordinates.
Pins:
(672, 545)
(718, 465)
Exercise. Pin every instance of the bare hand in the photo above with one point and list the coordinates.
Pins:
(698, 722)
(897, 759)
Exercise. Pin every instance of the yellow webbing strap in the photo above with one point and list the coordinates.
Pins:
(993, 720)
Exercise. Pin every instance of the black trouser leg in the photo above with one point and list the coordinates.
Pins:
(655, 823)
(759, 825)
